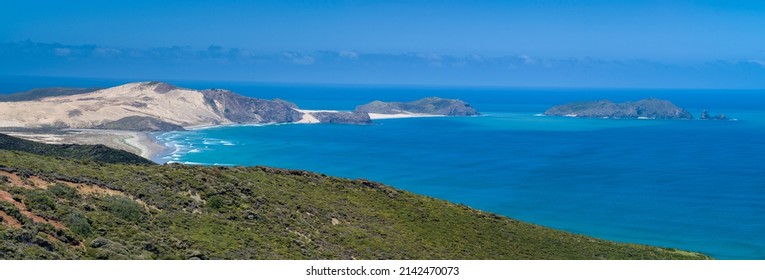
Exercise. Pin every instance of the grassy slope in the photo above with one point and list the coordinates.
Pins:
(264, 213)
(98, 153)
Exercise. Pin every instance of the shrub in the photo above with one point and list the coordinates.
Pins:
(215, 202)
(78, 223)
(125, 208)
(39, 200)
(64, 191)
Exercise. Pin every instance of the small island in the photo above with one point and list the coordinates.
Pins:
(705, 116)
(643, 109)
(431, 106)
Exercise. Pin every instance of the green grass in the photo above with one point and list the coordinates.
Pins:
(266, 213)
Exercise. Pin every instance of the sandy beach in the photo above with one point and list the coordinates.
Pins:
(307, 118)
(375, 116)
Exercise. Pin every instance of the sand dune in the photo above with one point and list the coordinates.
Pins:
(177, 106)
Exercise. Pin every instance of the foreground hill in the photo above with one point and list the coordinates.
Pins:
(98, 153)
(52, 208)
(646, 108)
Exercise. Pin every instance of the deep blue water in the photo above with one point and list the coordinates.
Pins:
(694, 185)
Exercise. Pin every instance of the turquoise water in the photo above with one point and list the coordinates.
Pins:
(694, 185)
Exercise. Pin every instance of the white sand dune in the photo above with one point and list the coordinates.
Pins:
(178, 106)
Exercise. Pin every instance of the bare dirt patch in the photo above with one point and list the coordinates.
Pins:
(6, 196)
(92, 189)
(37, 182)
(9, 221)
(15, 179)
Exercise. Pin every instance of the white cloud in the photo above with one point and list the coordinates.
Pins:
(527, 59)
(298, 58)
(757, 61)
(107, 51)
(62, 51)
(348, 54)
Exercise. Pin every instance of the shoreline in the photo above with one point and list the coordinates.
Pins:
(143, 143)
(136, 142)
(376, 116)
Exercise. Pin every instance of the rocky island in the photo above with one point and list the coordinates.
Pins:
(705, 116)
(431, 106)
(642, 109)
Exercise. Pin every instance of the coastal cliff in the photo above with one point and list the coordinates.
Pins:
(241, 109)
(642, 109)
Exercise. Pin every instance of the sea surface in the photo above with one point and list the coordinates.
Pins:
(689, 184)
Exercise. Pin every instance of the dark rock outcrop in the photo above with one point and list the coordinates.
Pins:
(140, 123)
(242, 109)
(342, 117)
(430, 105)
(705, 116)
(646, 108)
(163, 87)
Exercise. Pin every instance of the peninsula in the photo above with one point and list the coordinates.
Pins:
(120, 116)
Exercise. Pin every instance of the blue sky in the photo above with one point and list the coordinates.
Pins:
(505, 43)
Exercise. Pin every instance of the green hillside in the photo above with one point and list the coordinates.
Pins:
(54, 208)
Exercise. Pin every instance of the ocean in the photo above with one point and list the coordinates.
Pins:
(688, 184)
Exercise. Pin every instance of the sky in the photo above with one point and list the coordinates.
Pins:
(665, 44)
